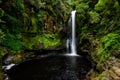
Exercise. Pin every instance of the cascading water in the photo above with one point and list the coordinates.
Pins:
(71, 40)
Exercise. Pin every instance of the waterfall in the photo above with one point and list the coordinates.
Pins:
(71, 39)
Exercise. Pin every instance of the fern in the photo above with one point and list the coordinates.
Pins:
(110, 43)
(50, 40)
(12, 41)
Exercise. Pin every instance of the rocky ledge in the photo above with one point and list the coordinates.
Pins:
(110, 70)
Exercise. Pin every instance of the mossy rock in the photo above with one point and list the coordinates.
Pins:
(30, 42)
(44, 41)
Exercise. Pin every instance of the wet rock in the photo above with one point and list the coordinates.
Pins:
(6, 60)
(7, 67)
(109, 70)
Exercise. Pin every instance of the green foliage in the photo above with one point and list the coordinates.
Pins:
(47, 41)
(50, 40)
(94, 21)
(59, 8)
(31, 42)
(82, 7)
(19, 5)
(34, 25)
(2, 35)
(39, 17)
(38, 3)
(110, 40)
(14, 24)
(116, 4)
(2, 13)
(94, 17)
(81, 10)
(27, 17)
(110, 43)
(101, 76)
(103, 4)
(82, 16)
(3, 51)
(13, 42)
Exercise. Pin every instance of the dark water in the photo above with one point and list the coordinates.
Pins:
(54, 67)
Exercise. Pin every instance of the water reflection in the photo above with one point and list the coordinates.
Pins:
(51, 68)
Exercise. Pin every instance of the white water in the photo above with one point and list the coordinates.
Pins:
(73, 44)
(71, 41)
(7, 67)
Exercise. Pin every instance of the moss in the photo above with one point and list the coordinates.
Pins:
(50, 40)
(12, 42)
(34, 25)
(94, 17)
(41, 41)
(31, 42)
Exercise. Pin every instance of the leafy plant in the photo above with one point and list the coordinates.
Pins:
(14, 24)
(19, 4)
(59, 8)
(103, 4)
(3, 51)
(31, 42)
(13, 42)
(2, 35)
(94, 17)
(47, 41)
(110, 43)
(38, 3)
(2, 13)
(50, 40)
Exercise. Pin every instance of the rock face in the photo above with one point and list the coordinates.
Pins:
(115, 73)
(110, 70)
(116, 70)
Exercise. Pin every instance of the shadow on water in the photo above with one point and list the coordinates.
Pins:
(52, 67)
